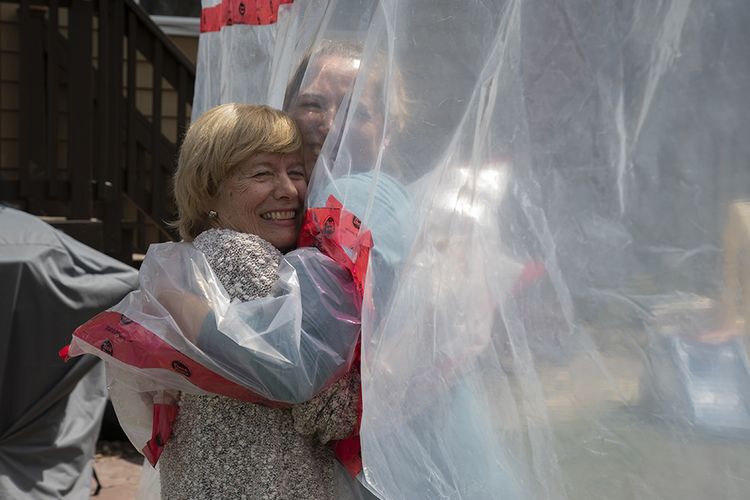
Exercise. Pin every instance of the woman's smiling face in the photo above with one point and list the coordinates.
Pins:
(265, 196)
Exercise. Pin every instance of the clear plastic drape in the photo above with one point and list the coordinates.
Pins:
(180, 331)
(558, 196)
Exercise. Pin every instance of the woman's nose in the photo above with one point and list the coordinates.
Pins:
(285, 187)
(326, 122)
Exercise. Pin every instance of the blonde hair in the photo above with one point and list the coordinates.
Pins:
(217, 142)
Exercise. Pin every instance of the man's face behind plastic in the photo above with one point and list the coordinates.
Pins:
(328, 80)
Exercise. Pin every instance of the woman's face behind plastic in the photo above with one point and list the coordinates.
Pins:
(314, 108)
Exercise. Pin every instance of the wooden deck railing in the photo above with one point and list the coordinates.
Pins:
(112, 180)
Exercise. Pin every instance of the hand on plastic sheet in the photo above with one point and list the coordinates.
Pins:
(332, 414)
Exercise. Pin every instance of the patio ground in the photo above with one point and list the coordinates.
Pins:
(118, 467)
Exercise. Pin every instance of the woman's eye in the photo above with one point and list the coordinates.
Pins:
(297, 174)
(261, 175)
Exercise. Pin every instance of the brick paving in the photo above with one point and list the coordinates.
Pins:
(118, 467)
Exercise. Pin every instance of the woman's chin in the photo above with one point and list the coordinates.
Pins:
(282, 234)
(284, 243)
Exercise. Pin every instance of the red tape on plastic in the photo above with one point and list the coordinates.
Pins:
(230, 12)
(129, 342)
(331, 229)
(161, 430)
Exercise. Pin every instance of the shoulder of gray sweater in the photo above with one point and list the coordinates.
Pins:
(245, 264)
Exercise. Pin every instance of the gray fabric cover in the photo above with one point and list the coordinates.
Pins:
(51, 411)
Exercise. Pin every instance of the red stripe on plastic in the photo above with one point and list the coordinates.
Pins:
(63, 352)
(330, 229)
(162, 425)
(229, 12)
(532, 272)
(131, 343)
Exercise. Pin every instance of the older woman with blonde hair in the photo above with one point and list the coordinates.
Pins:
(239, 188)
(222, 151)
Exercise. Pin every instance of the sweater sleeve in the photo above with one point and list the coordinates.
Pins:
(332, 414)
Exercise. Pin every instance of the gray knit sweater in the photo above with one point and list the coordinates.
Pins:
(224, 448)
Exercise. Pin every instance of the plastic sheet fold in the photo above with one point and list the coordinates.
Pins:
(556, 305)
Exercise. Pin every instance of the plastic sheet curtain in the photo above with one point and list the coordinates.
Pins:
(557, 190)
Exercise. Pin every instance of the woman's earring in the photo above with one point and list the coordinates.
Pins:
(212, 214)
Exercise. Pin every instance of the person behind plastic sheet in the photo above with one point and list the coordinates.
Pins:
(314, 96)
(240, 186)
(318, 88)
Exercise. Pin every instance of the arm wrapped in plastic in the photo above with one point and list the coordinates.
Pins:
(290, 353)
(181, 332)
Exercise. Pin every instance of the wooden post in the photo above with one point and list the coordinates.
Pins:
(133, 180)
(181, 105)
(53, 89)
(158, 187)
(32, 141)
(112, 200)
(80, 116)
